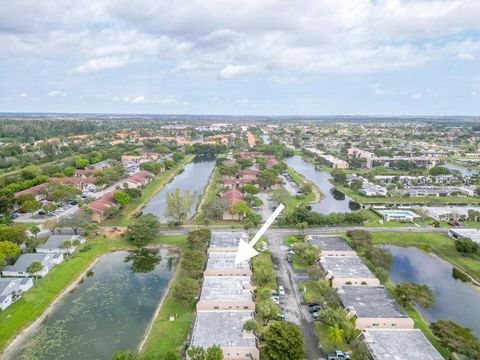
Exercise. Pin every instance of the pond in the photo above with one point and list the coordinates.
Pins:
(193, 178)
(334, 200)
(109, 311)
(463, 170)
(454, 300)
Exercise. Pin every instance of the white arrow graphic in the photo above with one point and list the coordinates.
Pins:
(246, 250)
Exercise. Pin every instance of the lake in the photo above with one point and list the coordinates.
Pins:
(334, 200)
(109, 311)
(454, 300)
(193, 178)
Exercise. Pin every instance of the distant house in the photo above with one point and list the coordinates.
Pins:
(139, 179)
(234, 183)
(231, 197)
(138, 159)
(248, 174)
(101, 204)
(19, 269)
(11, 288)
(82, 183)
(55, 242)
(34, 190)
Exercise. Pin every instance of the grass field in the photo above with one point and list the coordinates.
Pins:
(208, 195)
(440, 244)
(293, 202)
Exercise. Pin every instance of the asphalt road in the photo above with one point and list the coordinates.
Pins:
(292, 303)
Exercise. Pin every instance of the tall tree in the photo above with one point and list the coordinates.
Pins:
(143, 230)
(335, 334)
(457, 338)
(411, 294)
(214, 353)
(283, 341)
(178, 205)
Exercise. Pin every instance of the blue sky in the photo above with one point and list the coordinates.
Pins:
(278, 57)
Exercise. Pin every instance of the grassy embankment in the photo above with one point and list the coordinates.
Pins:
(293, 201)
(208, 195)
(34, 302)
(148, 192)
(168, 335)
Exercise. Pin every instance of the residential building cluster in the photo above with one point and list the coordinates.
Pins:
(387, 331)
(226, 301)
(17, 279)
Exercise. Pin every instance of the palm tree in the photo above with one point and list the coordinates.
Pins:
(34, 268)
(335, 334)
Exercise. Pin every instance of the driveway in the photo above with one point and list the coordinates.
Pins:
(266, 209)
(292, 303)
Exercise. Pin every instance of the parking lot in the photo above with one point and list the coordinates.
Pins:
(292, 304)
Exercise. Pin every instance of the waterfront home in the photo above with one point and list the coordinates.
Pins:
(437, 191)
(11, 288)
(347, 270)
(226, 293)
(225, 329)
(226, 241)
(100, 205)
(398, 344)
(331, 245)
(19, 269)
(54, 244)
(223, 264)
(141, 178)
(230, 198)
(373, 307)
(472, 234)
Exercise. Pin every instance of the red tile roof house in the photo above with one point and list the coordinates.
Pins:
(34, 190)
(230, 183)
(85, 183)
(249, 174)
(101, 204)
(139, 179)
(231, 197)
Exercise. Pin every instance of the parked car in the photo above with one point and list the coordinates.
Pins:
(289, 259)
(281, 290)
(338, 355)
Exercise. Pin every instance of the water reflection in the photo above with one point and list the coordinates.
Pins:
(143, 261)
(454, 300)
(106, 313)
(334, 200)
(193, 178)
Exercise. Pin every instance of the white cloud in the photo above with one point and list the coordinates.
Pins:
(417, 96)
(23, 94)
(99, 64)
(236, 70)
(56, 93)
(465, 56)
(138, 99)
(242, 101)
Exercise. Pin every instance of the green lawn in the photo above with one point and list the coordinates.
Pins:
(441, 244)
(32, 304)
(289, 240)
(168, 335)
(397, 199)
(209, 195)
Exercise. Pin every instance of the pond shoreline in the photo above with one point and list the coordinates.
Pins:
(34, 326)
(44, 316)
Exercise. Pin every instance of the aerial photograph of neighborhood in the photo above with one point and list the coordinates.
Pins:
(240, 180)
